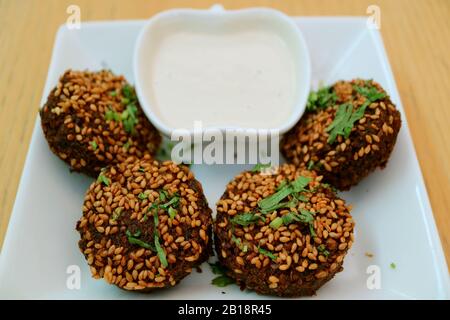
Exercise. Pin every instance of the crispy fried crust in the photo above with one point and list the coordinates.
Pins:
(77, 131)
(345, 162)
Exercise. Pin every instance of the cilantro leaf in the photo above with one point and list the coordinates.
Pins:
(260, 167)
(245, 219)
(321, 98)
(343, 122)
(222, 281)
(267, 253)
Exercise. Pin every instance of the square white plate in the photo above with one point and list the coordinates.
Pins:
(393, 216)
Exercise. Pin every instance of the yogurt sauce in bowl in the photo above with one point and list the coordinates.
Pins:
(237, 69)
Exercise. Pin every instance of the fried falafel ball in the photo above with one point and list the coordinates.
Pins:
(284, 234)
(145, 224)
(93, 119)
(347, 131)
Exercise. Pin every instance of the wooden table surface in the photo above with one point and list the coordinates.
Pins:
(416, 36)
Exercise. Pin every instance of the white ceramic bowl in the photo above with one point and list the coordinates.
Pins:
(276, 21)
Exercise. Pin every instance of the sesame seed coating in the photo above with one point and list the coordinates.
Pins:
(346, 161)
(119, 226)
(78, 131)
(286, 259)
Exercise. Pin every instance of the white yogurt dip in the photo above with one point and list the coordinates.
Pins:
(245, 78)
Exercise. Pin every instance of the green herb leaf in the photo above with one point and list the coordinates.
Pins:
(113, 93)
(237, 241)
(321, 248)
(160, 251)
(271, 201)
(116, 214)
(128, 92)
(282, 185)
(343, 122)
(310, 165)
(245, 219)
(172, 213)
(288, 218)
(259, 167)
(126, 145)
(393, 265)
(276, 223)
(133, 239)
(371, 93)
(129, 118)
(321, 98)
(172, 202)
(110, 114)
(287, 204)
(217, 268)
(93, 145)
(222, 281)
(142, 196)
(267, 253)
(156, 221)
(103, 179)
(163, 195)
(300, 183)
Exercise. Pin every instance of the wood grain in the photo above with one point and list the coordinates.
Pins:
(416, 36)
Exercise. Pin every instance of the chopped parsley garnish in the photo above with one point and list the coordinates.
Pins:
(371, 93)
(273, 202)
(172, 213)
(240, 245)
(346, 115)
(343, 122)
(163, 194)
(110, 114)
(141, 170)
(159, 250)
(276, 223)
(300, 183)
(260, 167)
(393, 265)
(113, 93)
(304, 217)
(222, 280)
(142, 196)
(161, 253)
(129, 116)
(116, 214)
(126, 145)
(245, 219)
(133, 239)
(172, 202)
(310, 165)
(267, 253)
(103, 179)
(93, 145)
(281, 185)
(321, 98)
(321, 248)
(128, 92)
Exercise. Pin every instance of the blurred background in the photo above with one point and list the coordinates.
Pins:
(416, 34)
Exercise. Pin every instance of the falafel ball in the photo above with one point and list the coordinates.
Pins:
(93, 119)
(284, 234)
(347, 131)
(145, 224)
